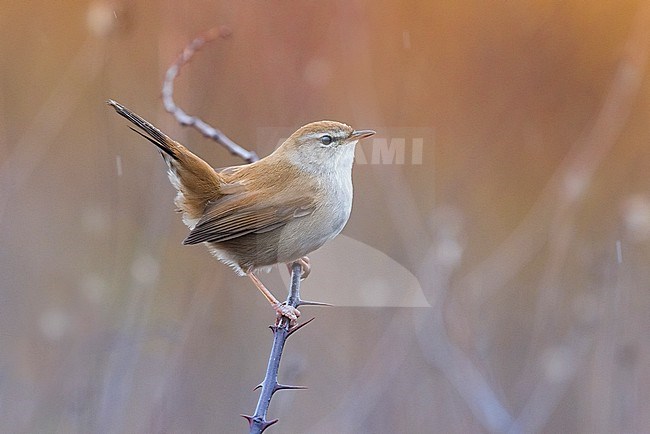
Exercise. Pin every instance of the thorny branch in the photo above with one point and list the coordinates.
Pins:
(282, 330)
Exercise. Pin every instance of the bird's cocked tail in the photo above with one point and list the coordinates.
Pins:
(196, 181)
(147, 130)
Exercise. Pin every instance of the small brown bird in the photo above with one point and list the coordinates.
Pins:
(275, 210)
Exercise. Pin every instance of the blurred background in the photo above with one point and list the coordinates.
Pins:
(522, 226)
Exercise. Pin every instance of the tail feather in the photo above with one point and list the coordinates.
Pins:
(196, 181)
(149, 131)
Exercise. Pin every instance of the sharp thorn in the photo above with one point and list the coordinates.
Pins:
(259, 386)
(263, 423)
(299, 326)
(287, 387)
(313, 303)
(268, 423)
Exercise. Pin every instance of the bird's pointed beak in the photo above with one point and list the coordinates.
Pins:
(361, 134)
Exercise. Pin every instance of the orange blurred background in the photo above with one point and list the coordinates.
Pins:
(525, 225)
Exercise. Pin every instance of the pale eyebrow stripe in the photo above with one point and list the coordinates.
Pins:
(337, 136)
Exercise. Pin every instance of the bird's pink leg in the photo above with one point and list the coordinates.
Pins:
(281, 309)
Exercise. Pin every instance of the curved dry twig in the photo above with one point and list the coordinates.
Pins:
(181, 116)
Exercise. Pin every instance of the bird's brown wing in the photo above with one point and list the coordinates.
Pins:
(239, 214)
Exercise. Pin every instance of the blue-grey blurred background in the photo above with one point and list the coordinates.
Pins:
(522, 229)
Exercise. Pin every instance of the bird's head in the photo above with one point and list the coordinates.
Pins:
(323, 145)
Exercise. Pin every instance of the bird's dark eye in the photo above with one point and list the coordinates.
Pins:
(326, 140)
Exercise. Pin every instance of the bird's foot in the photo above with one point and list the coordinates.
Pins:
(289, 312)
(305, 265)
